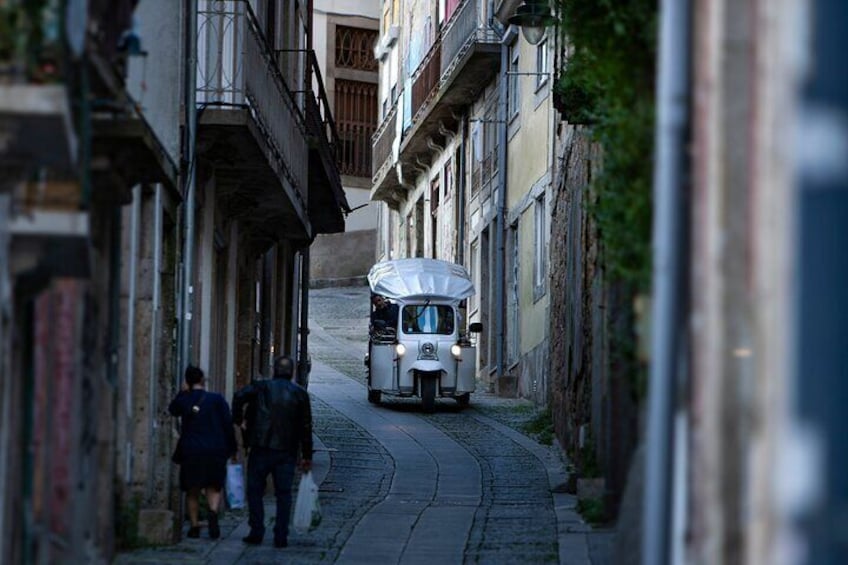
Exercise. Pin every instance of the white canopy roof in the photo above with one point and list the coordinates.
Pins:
(406, 279)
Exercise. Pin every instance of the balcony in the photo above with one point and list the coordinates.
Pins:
(381, 157)
(327, 199)
(462, 61)
(36, 128)
(250, 126)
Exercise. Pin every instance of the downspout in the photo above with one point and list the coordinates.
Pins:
(669, 254)
(6, 321)
(190, 160)
(461, 187)
(153, 377)
(265, 314)
(501, 209)
(303, 350)
(190, 164)
(135, 212)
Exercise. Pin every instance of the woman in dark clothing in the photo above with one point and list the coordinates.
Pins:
(207, 440)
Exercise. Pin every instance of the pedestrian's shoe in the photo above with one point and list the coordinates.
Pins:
(214, 529)
(252, 539)
(193, 532)
(280, 543)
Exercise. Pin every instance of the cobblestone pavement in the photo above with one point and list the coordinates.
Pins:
(394, 469)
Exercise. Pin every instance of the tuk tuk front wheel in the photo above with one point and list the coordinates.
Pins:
(374, 396)
(428, 394)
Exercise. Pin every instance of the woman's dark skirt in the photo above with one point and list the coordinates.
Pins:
(203, 471)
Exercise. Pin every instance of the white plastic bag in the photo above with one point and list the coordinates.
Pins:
(307, 511)
(235, 485)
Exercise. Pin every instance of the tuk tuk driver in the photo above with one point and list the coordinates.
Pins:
(384, 315)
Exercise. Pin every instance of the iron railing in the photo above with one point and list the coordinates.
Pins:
(460, 33)
(426, 78)
(356, 119)
(311, 94)
(463, 30)
(236, 69)
(382, 142)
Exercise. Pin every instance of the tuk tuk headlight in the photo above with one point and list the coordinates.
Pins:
(400, 349)
(456, 350)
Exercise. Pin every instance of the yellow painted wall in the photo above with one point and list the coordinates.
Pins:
(529, 149)
(528, 153)
(532, 316)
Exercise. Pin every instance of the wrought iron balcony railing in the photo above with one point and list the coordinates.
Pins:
(464, 29)
(237, 68)
(460, 34)
(382, 142)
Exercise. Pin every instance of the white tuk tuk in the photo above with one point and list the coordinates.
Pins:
(428, 352)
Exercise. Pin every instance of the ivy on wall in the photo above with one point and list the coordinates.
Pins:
(607, 81)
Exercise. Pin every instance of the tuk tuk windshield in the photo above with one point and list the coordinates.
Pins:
(428, 319)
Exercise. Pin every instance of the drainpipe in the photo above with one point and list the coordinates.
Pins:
(190, 160)
(6, 324)
(303, 358)
(153, 377)
(669, 255)
(265, 314)
(135, 213)
(461, 187)
(501, 209)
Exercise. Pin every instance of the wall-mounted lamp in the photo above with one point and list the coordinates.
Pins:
(533, 16)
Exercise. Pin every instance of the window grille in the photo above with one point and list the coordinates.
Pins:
(355, 48)
(356, 121)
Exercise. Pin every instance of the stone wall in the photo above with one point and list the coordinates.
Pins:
(342, 257)
(593, 383)
(573, 258)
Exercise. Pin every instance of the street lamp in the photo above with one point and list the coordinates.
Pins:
(533, 16)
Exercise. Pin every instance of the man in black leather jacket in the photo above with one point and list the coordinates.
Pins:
(280, 422)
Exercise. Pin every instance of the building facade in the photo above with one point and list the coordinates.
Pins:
(344, 41)
(137, 238)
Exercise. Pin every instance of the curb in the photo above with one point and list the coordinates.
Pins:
(571, 529)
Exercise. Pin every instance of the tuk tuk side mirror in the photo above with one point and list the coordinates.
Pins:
(475, 327)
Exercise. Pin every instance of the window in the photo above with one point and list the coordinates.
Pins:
(514, 86)
(448, 176)
(542, 64)
(356, 121)
(451, 8)
(428, 319)
(434, 221)
(540, 255)
(387, 17)
(476, 157)
(473, 272)
(355, 48)
(490, 141)
(434, 196)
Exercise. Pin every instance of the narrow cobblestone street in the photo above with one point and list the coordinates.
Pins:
(399, 486)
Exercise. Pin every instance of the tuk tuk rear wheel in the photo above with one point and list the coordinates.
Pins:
(428, 394)
(464, 399)
(374, 396)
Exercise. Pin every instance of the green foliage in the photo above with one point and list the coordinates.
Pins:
(31, 36)
(541, 428)
(10, 37)
(588, 462)
(126, 525)
(593, 511)
(608, 82)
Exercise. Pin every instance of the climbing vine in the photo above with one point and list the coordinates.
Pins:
(607, 81)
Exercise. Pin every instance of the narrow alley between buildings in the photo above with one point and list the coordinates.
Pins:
(399, 486)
